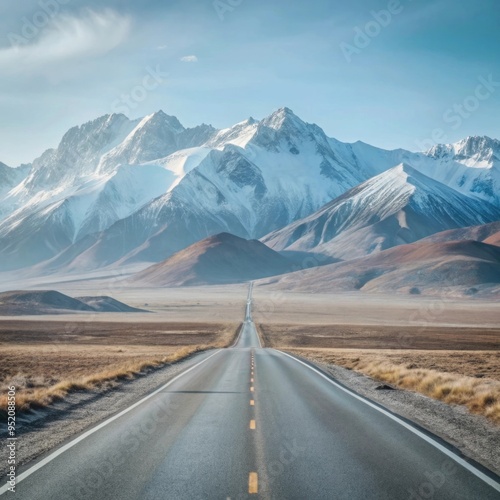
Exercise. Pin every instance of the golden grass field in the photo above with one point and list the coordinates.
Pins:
(457, 366)
(47, 360)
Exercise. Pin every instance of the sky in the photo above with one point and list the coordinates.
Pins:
(392, 73)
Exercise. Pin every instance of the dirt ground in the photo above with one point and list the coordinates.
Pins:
(380, 337)
(110, 333)
(39, 354)
(364, 309)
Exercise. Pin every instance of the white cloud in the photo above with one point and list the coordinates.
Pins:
(68, 37)
(161, 47)
(189, 59)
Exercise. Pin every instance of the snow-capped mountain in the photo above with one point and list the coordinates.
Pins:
(398, 206)
(155, 136)
(471, 166)
(260, 176)
(118, 190)
(89, 155)
(11, 177)
(99, 174)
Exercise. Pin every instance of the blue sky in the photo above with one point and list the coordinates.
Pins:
(411, 80)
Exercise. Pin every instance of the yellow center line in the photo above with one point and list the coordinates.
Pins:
(252, 402)
(253, 483)
(252, 424)
(251, 389)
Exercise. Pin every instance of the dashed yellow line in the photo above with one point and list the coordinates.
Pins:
(253, 483)
(251, 389)
(251, 380)
(252, 402)
(252, 424)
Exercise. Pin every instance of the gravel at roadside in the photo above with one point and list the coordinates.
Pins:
(42, 430)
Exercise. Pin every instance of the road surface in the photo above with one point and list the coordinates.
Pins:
(248, 422)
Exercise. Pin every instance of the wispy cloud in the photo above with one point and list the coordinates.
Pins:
(189, 59)
(68, 37)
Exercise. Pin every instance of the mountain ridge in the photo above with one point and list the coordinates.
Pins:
(362, 221)
(118, 190)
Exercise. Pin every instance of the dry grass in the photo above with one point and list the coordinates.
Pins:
(475, 364)
(45, 367)
(406, 370)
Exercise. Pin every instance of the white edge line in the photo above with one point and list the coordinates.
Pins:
(488, 480)
(258, 336)
(239, 335)
(69, 445)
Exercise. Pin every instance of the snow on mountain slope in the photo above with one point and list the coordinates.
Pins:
(286, 170)
(155, 187)
(93, 206)
(396, 207)
(95, 150)
(155, 136)
(471, 166)
(87, 181)
(10, 178)
(239, 135)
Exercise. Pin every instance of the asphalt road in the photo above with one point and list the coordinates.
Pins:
(248, 422)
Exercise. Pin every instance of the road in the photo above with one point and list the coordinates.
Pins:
(248, 422)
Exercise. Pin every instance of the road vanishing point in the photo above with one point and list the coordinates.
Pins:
(250, 422)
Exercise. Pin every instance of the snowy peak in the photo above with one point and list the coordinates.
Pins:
(157, 187)
(10, 177)
(239, 135)
(288, 125)
(283, 117)
(395, 207)
(473, 151)
(94, 137)
(404, 175)
(161, 119)
(79, 151)
(155, 137)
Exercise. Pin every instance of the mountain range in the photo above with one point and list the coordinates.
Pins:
(118, 191)
(398, 206)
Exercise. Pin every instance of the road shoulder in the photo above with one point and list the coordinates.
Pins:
(40, 431)
(475, 436)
